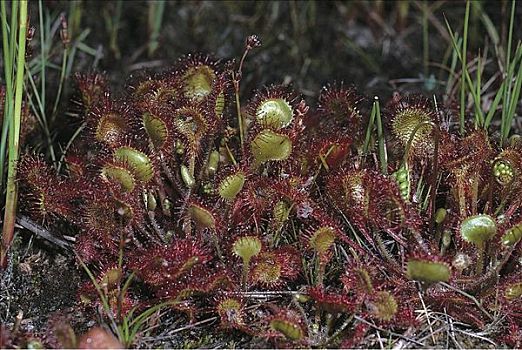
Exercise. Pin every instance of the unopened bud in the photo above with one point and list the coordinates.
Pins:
(64, 31)
(252, 42)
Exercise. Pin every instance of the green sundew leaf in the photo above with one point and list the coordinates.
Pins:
(156, 129)
(383, 306)
(513, 235)
(514, 291)
(119, 175)
(280, 213)
(289, 329)
(139, 163)
(201, 216)
(186, 176)
(276, 113)
(198, 82)
(247, 247)
(231, 185)
(269, 145)
(322, 239)
(478, 229)
(440, 215)
(428, 271)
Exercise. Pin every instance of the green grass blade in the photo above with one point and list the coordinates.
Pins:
(8, 59)
(463, 57)
(506, 118)
(12, 39)
(494, 105)
(515, 95)
(136, 323)
(479, 117)
(369, 129)
(481, 64)
(14, 138)
(87, 49)
(40, 116)
(453, 65)
(490, 28)
(40, 112)
(63, 75)
(101, 294)
(510, 33)
(42, 56)
(425, 39)
(156, 9)
(383, 157)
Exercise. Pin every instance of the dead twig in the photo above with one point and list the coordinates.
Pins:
(42, 232)
(425, 309)
(475, 335)
(471, 297)
(389, 332)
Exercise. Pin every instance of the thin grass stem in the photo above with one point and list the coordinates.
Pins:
(63, 73)
(479, 117)
(494, 105)
(40, 115)
(156, 9)
(478, 84)
(506, 118)
(9, 90)
(369, 131)
(14, 136)
(514, 96)
(383, 156)
(42, 55)
(425, 39)
(464, 69)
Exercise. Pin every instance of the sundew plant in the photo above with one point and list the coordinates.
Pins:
(284, 221)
